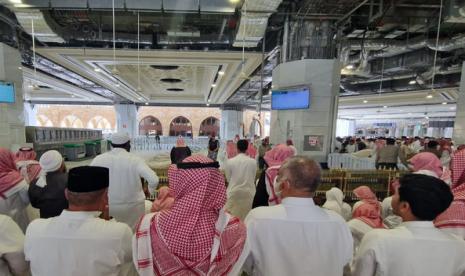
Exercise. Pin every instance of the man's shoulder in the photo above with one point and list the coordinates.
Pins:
(265, 212)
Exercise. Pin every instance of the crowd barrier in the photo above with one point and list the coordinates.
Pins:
(346, 180)
(144, 143)
(348, 161)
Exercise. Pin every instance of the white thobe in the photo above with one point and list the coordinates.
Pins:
(12, 261)
(414, 248)
(15, 204)
(389, 218)
(297, 237)
(125, 194)
(78, 243)
(240, 172)
(358, 229)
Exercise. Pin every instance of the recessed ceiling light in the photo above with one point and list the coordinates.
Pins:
(412, 82)
(365, 101)
(20, 68)
(429, 96)
(221, 73)
(97, 69)
(16, 1)
(452, 108)
(140, 98)
(146, 103)
(385, 106)
(426, 117)
(350, 67)
(214, 85)
(209, 100)
(117, 84)
(73, 96)
(444, 103)
(208, 104)
(234, 1)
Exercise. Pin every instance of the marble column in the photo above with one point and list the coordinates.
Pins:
(231, 123)
(126, 119)
(30, 114)
(459, 125)
(315, 125)
(12, 129)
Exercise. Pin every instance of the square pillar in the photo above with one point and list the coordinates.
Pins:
(459, 125)
(12, 129)
(312, 129)
(126, 119)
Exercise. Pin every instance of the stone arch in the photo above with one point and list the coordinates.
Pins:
(209, 125)
(71, 121)
(43, 121)
(255, 128)
(99, 122)
(150, 125)
(180, 126)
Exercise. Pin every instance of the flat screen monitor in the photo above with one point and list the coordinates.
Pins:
(7, 92)
(287, 99)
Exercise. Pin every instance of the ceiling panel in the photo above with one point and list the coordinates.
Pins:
(181, 5)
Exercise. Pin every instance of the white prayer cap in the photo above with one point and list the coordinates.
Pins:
(120, 138)
(51, 161)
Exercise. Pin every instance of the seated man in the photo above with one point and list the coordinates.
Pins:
(47, 193)
(79, 242)
(297, 237)
(11, 248)
(416, 247)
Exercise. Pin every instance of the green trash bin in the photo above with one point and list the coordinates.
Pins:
(90, 148)
(73, 151)
(98, 146)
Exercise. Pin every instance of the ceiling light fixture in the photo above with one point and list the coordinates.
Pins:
(146, 103)
(429, 96)
(97, 70)
(444, 103)
(117, 84)
(365, 101)
(452, 108)
(15, 1)
(20, 68)
(221, 73)
(140, 98)
(208, 104)
(234, 1)
(350, 67)
(412, 82)
(214, 85)
(385, 106)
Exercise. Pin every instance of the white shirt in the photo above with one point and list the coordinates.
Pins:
(358, 229)
(297, 238)
(240, 172)
(78, 243)
(11, 248)
(126, 171)
(414, 248)
(15, 204)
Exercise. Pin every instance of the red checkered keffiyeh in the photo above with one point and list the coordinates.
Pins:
(27, 165)
(274, 158)
(9, 175)
(184, 238)
(370, 210)
(454, 216)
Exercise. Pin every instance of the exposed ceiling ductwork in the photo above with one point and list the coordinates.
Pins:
(42, 31)
(254, 21)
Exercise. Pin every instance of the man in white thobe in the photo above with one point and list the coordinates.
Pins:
(79, 242)
(240, 171)
(416, 247)
(297, 237)
(126, 195)
(12, 261)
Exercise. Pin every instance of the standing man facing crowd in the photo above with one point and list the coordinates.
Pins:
(125, 194)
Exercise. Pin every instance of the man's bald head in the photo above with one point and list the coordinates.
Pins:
(302, 173)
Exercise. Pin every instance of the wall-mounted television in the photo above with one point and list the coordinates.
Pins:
(7, 92)
(287, 99)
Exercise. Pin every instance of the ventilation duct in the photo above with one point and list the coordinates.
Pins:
(252, 26)
(41, 28)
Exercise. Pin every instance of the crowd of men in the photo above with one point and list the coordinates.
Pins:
(92, 220)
